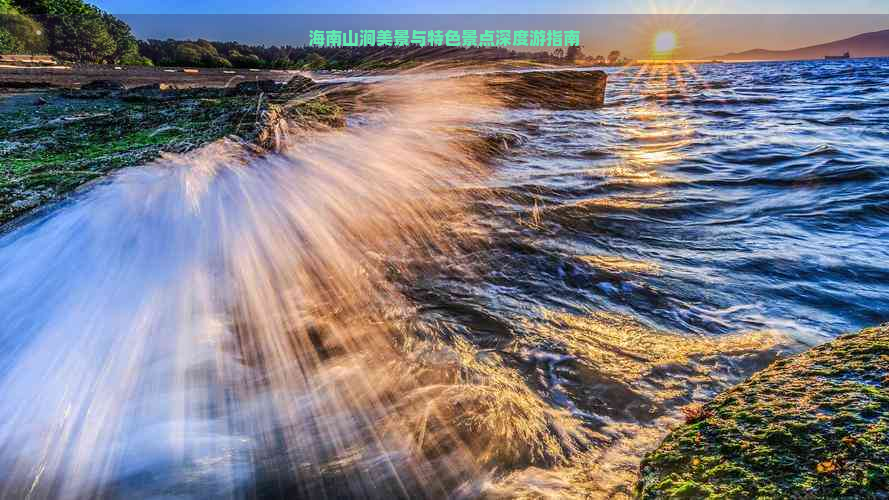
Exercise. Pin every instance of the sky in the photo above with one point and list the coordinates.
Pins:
(704, 28)
(495, 7)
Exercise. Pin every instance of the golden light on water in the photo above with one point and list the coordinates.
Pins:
(665, 42)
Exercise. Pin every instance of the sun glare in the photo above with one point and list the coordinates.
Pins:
(664, 42)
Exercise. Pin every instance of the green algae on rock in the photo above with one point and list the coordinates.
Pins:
(54, 142)
(811, 426)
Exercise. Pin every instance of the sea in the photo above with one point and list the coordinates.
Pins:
(447, 298)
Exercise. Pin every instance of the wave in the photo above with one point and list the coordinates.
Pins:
(219, 320)
(444, 299)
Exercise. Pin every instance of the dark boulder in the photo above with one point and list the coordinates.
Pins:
(153, 87)
(256, 87)
(560, 89)
(107, 85)
(96, 89)
(298, 84)
(23, 84)
(151, 93)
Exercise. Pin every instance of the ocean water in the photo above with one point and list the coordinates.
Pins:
(381, 312)
(756, 191)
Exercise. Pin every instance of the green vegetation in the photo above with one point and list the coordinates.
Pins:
(203, 53)
(69, 29)
(814, 426)
(18, 32)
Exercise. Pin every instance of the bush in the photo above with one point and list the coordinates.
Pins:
(135, 60)
(245, 60)
(8, 44)
(219, 62)
(314, 61)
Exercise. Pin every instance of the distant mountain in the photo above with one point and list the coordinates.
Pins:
(875, 44)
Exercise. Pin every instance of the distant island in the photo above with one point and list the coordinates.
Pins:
(874, 44)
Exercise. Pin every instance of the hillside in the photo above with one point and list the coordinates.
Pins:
(19, 32)
(874, 44)
(71, 30)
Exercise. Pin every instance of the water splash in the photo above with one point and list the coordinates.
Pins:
(227, 325)
(220, 317)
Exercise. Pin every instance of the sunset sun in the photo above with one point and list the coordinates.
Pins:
(664, 42)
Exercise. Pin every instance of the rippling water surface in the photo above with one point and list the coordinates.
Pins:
(376, 313)
(722, 203)
(712, 199)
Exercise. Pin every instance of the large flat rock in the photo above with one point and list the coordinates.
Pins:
(565, 89)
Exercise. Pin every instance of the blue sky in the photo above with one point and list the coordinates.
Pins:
(495, 7)
(700, 36)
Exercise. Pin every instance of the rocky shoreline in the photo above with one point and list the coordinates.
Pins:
(54, 142)
(58, 140)
(815, 425)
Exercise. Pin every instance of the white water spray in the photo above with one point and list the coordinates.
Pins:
(220, 323)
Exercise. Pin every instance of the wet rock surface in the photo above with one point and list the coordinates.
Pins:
(75, 77)
(110, 85)
(550, 89)
(80, 134)
(812, 426)
(76, 136)
(151, 92)
(257, 87)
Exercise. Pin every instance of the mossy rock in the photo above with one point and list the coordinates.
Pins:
(50, 150)
(812, 426)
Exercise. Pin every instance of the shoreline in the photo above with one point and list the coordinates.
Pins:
(57, 141)
(73, 77)
(259, 109)
(60, 139)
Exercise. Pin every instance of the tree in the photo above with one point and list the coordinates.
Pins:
(613, 56)
(20, 33)
(281, 63)
(244, 60)
(219, 62)
(135, 60)
(188, 54)
(60, 18)
(8, 44)
(85, 35)
(199, 53)
(314, 61)
(207, 47)
(573, 53)
(81, 31)
(125, 43)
